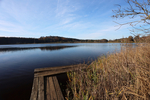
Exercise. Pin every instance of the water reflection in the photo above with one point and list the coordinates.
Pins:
(17, 63)
(50, 48)
(55, 48)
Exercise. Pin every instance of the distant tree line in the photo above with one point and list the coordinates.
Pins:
(57, 39)
(131, 39)
(47, 39)
(17, 40)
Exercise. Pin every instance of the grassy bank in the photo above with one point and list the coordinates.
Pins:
(124, 76)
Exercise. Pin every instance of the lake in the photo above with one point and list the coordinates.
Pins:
(17, 63)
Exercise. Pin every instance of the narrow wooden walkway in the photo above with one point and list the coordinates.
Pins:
(45, 84)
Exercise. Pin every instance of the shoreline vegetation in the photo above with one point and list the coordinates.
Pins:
(124, 75)
(57, 39)
(119, 76)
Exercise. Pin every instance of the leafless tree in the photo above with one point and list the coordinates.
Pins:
(136, 8)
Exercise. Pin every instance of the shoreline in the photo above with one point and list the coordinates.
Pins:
(114, 76)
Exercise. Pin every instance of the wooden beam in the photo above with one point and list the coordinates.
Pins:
(41, 89)
(57, 88)
(34, 93)
(57, 70)
(52, 91)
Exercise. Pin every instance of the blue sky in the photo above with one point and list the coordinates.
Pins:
(82, 19)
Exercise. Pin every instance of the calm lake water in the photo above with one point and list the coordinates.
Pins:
(17, 63)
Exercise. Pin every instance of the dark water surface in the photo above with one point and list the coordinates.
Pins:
(17, 63)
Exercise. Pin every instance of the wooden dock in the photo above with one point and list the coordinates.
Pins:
(45, 84)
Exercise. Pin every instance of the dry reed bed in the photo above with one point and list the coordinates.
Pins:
(123, 76)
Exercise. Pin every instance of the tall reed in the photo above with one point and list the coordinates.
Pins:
(119, 76)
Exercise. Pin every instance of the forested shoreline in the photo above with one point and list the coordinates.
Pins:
(47, 39)
(57, 39)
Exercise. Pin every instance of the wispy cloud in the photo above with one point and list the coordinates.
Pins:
(67, 20)
(9, 27)
(64, 7)
(105, 30)
(71, 18)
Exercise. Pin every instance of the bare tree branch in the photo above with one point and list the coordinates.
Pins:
(135, 8)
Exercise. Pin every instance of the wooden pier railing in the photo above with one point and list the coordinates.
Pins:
(45, 83)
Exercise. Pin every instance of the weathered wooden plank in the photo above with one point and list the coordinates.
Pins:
(52, 89)
(47, 89)
(34, 93)
(41, 89)
(57, 89)
(57, 68)
(58, 71)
